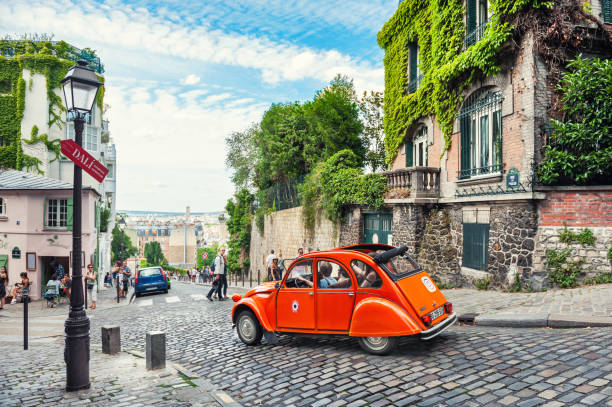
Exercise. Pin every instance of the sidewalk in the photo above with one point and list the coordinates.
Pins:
(120, 379)
(46, 323)
(560, 308)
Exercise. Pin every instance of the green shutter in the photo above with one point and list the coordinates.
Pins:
(409, 154)
(44, 213)
(4, 260)
(413, 61)
(69, 215)
(606, 10)
(97, 216)
(465, 145)
(471, 15)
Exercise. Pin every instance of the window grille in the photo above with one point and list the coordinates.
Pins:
(481, 134)
(57, 213)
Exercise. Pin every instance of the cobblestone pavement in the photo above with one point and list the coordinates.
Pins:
(465, 366)
(595, 300)
(38, 376)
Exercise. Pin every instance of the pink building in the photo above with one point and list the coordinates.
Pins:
(36, 226)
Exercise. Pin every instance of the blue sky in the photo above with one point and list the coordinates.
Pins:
(181, 76)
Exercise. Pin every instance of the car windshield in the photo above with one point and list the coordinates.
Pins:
(150, 272)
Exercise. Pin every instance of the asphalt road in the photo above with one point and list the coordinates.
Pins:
(465, 366)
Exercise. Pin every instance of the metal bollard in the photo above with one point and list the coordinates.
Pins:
(156, 350)
(117, 284)
(250, 278)
(258, 281)
(25, 298)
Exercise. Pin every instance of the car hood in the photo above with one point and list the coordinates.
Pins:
(422, 293)
(261, 289)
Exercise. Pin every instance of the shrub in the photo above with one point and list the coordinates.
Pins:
(483, 284)
(561, 271)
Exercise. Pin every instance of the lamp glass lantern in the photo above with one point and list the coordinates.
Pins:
(80, 86)
(122, 224)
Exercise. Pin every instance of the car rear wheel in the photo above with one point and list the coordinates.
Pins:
(378, 345)
(249, 329)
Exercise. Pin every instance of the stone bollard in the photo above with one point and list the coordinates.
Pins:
(111, 340)
(156, 350)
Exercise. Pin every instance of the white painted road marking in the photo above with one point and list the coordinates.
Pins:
(172, 299)
(145, 303)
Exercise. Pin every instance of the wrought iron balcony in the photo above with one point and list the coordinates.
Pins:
(415, 182)
(474, 36)
(473, 172)
(414, 84)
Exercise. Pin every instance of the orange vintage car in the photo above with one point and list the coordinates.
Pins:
(374, 292)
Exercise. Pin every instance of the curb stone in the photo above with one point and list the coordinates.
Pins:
(535, 320)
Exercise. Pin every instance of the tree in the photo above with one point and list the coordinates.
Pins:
(154, 254)
(334, 124)
(371, 108)
(121, 245)
(580, 148)
(212, 253)
(242, 153)
(239, 228)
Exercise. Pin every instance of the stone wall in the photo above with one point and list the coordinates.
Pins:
(284, 232)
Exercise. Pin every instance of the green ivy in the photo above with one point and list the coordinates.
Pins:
(37, 57)
(562, 271)
(585, 237)
(336, 183)
(438, 28)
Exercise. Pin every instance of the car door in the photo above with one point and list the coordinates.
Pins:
(335, 297)
(295, 299)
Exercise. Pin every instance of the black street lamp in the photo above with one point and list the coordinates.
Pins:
(80, 87)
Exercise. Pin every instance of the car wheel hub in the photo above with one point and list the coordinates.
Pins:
(247, 328)
(377, 342)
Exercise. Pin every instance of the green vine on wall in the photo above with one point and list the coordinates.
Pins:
(37, 57)
(438, 28)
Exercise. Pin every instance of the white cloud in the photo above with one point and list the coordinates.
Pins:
(171, 148)
(138, 29)
(191, 79)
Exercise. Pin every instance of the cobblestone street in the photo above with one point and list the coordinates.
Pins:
(465, 366)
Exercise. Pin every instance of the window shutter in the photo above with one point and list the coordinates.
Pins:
(471, 15)
(465, 145)
(606, 10)
(4, 260)
(409, 154)
(69, 214)
(97, 216)
(44, 213)
(413, 61)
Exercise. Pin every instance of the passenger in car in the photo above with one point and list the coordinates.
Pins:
(366, 276)
(325, 278)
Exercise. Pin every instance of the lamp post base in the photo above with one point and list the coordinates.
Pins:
(76, 352)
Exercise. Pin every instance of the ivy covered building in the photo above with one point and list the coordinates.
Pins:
(33, 121)
(470, 89)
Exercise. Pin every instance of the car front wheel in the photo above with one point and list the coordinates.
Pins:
(378, 345)
(249, 329)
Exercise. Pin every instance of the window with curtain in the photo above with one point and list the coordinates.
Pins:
(481, 134)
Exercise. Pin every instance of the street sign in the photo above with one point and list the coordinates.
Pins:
(204, 255)
(83, 159)
(512, 178)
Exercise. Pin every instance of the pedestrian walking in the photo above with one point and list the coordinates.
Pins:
(215, 287)
(127, 276)
(90, 279)
(3, 284)
(268, 260)
(221, 270)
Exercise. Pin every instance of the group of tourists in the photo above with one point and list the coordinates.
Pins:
(205, 275)
(275, 264)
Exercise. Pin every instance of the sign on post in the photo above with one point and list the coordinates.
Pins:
(204, 255)
(83, 159)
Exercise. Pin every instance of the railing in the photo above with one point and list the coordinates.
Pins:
(414, 84)
(472, 172)
(474, 36)
(423, 182)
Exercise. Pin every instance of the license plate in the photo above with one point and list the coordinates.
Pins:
(151, 288)
(436, 313)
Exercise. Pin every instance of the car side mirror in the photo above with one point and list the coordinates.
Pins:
(277, 285)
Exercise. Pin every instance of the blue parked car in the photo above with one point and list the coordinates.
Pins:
(149, 280)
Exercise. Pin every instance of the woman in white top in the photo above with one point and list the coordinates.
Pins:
(90, 281)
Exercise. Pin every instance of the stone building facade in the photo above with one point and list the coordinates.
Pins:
(474, 212)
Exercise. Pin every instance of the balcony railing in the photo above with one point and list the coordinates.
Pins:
(474, 36)
(414, 84)
(421, 182)
(472, 172)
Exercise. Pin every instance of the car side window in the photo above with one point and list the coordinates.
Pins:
(300, 272)
(366, 275)
(331, 275)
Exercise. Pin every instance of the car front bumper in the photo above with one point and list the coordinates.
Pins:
(439, 328)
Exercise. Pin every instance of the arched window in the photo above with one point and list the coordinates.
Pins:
(416, 149)
(481, 134)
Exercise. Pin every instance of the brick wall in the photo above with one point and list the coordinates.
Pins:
(590, 208)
